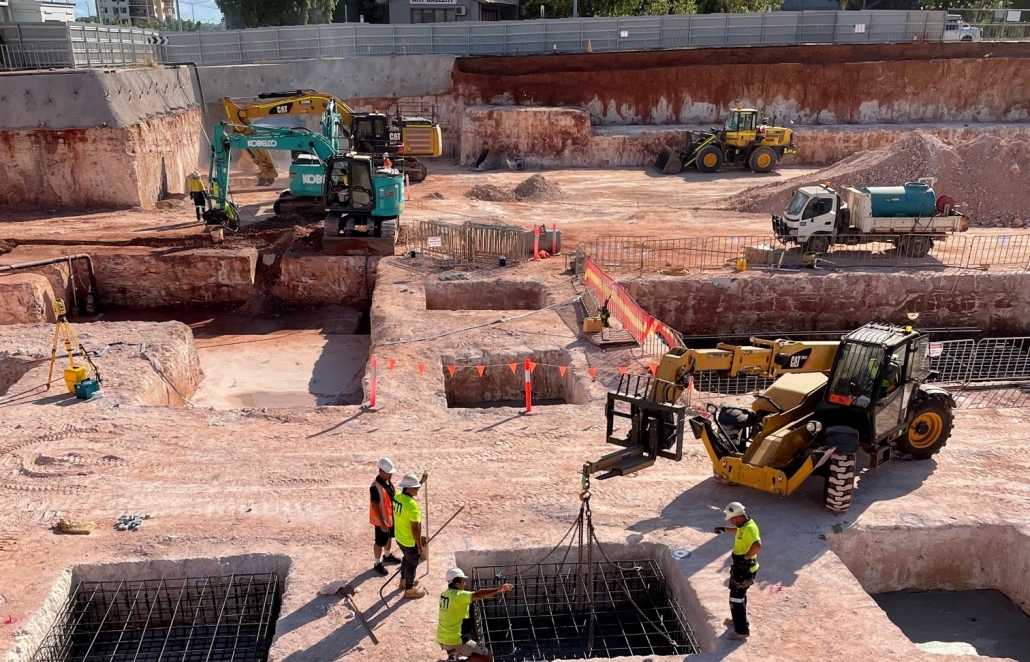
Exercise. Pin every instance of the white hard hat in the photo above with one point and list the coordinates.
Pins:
(195, 175)
(735, 509)
(410, 480)
(454, 573)
(386, 464)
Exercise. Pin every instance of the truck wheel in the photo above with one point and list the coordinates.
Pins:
(928, 432)
(840, 483)
(709, 159)
(818, 243)
(918, 246)
(762, 159)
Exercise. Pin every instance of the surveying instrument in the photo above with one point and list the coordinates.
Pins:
(76, 377)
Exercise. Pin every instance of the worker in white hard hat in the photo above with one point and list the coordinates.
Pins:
(407, 519)
(380, 516)
(196, 187)
(747, 541)
(454, 608)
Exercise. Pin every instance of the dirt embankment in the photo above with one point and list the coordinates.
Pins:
(987, 176)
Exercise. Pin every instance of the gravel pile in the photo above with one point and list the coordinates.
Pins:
(537, 188)
(490, 193)
(986, 176)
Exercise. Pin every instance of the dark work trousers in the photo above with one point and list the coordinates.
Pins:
(739, 584)
(408, 565)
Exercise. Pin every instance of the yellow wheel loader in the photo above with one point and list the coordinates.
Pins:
(744, 139)
(829, 400)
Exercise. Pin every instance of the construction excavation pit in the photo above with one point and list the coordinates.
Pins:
(837, 338)
(111, 612)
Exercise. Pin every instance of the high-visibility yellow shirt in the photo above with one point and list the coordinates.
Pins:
(746, 536)
(454, 608)
(196, 185)
(405, 511)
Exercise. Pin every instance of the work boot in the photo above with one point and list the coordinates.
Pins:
(402, 586)
(390, 559)
(378, 567)
(728, 622)
(418, 592)
(732, 636)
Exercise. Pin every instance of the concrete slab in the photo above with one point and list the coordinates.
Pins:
(942, 621)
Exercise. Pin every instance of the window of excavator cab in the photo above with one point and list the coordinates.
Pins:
(361, 183)
(856, 373)
(797, 203)
(381, 131)
(338, 176)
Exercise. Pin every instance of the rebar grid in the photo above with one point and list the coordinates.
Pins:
(210, 619)
(547, 615)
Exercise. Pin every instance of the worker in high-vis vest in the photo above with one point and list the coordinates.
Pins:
(407, 530)
(380, 516)
(454, 608)
(747, 541)
(196, 186)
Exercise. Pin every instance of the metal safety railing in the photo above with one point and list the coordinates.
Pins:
(468, 243)
(72, 45)
(649, 255)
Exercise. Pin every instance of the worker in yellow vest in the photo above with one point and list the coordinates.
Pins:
(380, 516)
(407, 530)
(454, 608)
(747, 541)
(196, 187)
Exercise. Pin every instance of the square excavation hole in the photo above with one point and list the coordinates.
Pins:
(547, 616)
(498, 387)
(485, 295)
(956, 590)
(197, 610)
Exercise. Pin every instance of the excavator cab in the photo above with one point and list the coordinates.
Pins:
(363, 202)
(371, 133)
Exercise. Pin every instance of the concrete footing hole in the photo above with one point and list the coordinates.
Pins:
(198, 610)
(500, 386)
(485, 295)
(569, 608)
(959, 590)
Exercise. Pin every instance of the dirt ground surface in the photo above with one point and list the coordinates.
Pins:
(293, 481)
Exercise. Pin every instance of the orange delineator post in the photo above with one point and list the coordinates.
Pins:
(554, 238)
(529, 386)
(536, 244)
(407, 191)
(372, 385)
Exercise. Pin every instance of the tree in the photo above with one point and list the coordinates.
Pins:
(736, 6)
(592, 8)
(372, 11)
(262, 13)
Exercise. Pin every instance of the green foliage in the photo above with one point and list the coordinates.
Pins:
(591, 8)
(170, 24)
(350, 10)
(736, 6)
(262, 13)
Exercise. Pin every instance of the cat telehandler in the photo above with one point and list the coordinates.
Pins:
(744, 139)
(829, 400)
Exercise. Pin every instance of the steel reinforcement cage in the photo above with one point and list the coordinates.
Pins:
(209, 619)
(547, 615)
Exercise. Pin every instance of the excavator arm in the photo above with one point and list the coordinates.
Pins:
(336, 119)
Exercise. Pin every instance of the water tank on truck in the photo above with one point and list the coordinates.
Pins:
(910, 199)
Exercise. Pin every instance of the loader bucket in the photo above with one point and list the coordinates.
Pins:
(489, 159)
(669, 161)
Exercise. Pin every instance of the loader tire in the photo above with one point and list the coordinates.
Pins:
(840, 482)
(762, 159)
(709, 159)
(932, 420)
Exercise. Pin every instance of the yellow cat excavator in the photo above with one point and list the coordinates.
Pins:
(405, 138)
(829, 400)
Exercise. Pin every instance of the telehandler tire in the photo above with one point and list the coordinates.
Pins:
(709, 159)
(840, 482)
(762, 159)
(932, 420)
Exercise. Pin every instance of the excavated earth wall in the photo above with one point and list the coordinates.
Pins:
(754, 302)
(112, 138)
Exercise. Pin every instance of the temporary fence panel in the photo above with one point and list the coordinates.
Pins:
(987, 251)
(615, 253)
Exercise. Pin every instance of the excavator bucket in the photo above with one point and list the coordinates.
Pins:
(669, 161)
(490, 158)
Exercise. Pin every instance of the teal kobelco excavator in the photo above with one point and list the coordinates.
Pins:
(360, 202)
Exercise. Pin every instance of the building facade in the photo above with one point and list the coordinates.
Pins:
(448, 11)
(120, 11)
(35, 11)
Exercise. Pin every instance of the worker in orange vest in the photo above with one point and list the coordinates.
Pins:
(380, 515)
(387, 163)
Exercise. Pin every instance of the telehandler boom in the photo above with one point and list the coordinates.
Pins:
(828, 401)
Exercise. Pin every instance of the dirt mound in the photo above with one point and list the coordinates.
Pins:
(490, 193)
(983, 175)
(435, 195)
(537, 188)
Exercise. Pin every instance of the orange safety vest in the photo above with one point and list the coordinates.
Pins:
(376, 510)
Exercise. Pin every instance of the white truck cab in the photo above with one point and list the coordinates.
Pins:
(955, 29)
(814, 210)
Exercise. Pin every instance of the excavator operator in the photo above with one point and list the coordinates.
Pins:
(339, 183)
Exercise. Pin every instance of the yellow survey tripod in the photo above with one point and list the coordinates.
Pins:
(73, 374)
